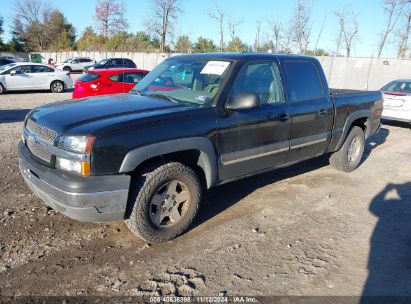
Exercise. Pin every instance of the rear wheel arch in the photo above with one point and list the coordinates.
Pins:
(198, 153)
(360, 119)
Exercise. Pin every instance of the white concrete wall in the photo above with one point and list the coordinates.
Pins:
(143, 60)
(341, 72)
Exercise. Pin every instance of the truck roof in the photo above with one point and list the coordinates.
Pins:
(240, 56)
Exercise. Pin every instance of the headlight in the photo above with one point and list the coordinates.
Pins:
(91, 68)
(75, 143)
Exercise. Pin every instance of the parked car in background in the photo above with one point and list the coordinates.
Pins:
(110, 81)
(75, 64)
(33, 76)
(397, 100)
(112, 63)
(4, 61)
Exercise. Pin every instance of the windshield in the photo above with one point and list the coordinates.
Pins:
(68, 60)
(104, 61)
(7, 66)
(187, 81)
(403, 87)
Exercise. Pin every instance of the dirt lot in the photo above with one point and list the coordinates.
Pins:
(304, 230)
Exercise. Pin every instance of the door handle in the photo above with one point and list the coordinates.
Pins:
(283, 117)
(322, 112)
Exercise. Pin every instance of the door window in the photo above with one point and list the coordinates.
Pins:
(22, 69)
(261, 78)
(303, 81)
(41, 69)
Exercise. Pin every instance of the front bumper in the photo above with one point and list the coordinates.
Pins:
(86, 199)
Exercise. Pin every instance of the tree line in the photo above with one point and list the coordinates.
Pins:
(38, 26)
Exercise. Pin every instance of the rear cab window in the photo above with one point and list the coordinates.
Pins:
(304, 82)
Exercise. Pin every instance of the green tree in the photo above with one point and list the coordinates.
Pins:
(204, 45)
(184, 45)
(119, 42)
(236, 45)
(59, 32)
(142, 42)
(2, 45)
(90, 41)
(318, 52)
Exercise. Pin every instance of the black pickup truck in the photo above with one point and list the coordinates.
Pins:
(196, 121)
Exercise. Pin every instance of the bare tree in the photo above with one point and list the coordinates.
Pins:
(276, 29)
(404, 32)
(110, 17)
(257, 36)
(393, 10)
(319, 36)
(27, 22)
(348, 26)
(219, 15)
(232, 26)
(165, 13)
(302, 24)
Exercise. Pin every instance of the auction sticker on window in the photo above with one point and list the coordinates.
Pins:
(215, 67)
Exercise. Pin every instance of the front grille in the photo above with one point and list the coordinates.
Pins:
(45, 134)
(38, 151)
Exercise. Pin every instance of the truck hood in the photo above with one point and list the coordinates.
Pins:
(88, 115)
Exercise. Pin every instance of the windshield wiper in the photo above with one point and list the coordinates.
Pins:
(162, 97)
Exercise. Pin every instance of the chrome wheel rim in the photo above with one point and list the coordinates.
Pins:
(57, 87)
(354, 149)
(169, 204)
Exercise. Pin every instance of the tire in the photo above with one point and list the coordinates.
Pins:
(348, 158)
(67, 68)
(2, 89)
(153, 205)
(57, 86)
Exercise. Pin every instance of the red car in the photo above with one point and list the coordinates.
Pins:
(107, 81)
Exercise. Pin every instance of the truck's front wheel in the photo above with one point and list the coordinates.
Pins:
(164, 199)
(349, 156)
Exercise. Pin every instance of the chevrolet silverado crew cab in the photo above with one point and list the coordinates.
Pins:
(194, 122)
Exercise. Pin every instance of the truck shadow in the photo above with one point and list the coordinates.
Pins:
(374, 141)
(13, 115)
(389, 262)
(218, 199)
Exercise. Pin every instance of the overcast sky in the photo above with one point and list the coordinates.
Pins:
(195, 22)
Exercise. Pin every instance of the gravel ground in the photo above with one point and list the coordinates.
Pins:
(303, 230)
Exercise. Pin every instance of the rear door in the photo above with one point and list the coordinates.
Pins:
(312, 110)
(41, 76)
(253, 140)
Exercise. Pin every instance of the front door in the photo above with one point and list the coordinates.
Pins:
(20, 80)
(253, 140)
(312, 110)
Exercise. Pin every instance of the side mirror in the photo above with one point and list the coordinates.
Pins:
(244, 101)
(12, 73)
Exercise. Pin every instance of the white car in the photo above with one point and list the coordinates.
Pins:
(33, 76)
(75, 64)
(397, 100)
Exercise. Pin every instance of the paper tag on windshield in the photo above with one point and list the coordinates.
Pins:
(215, 67)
